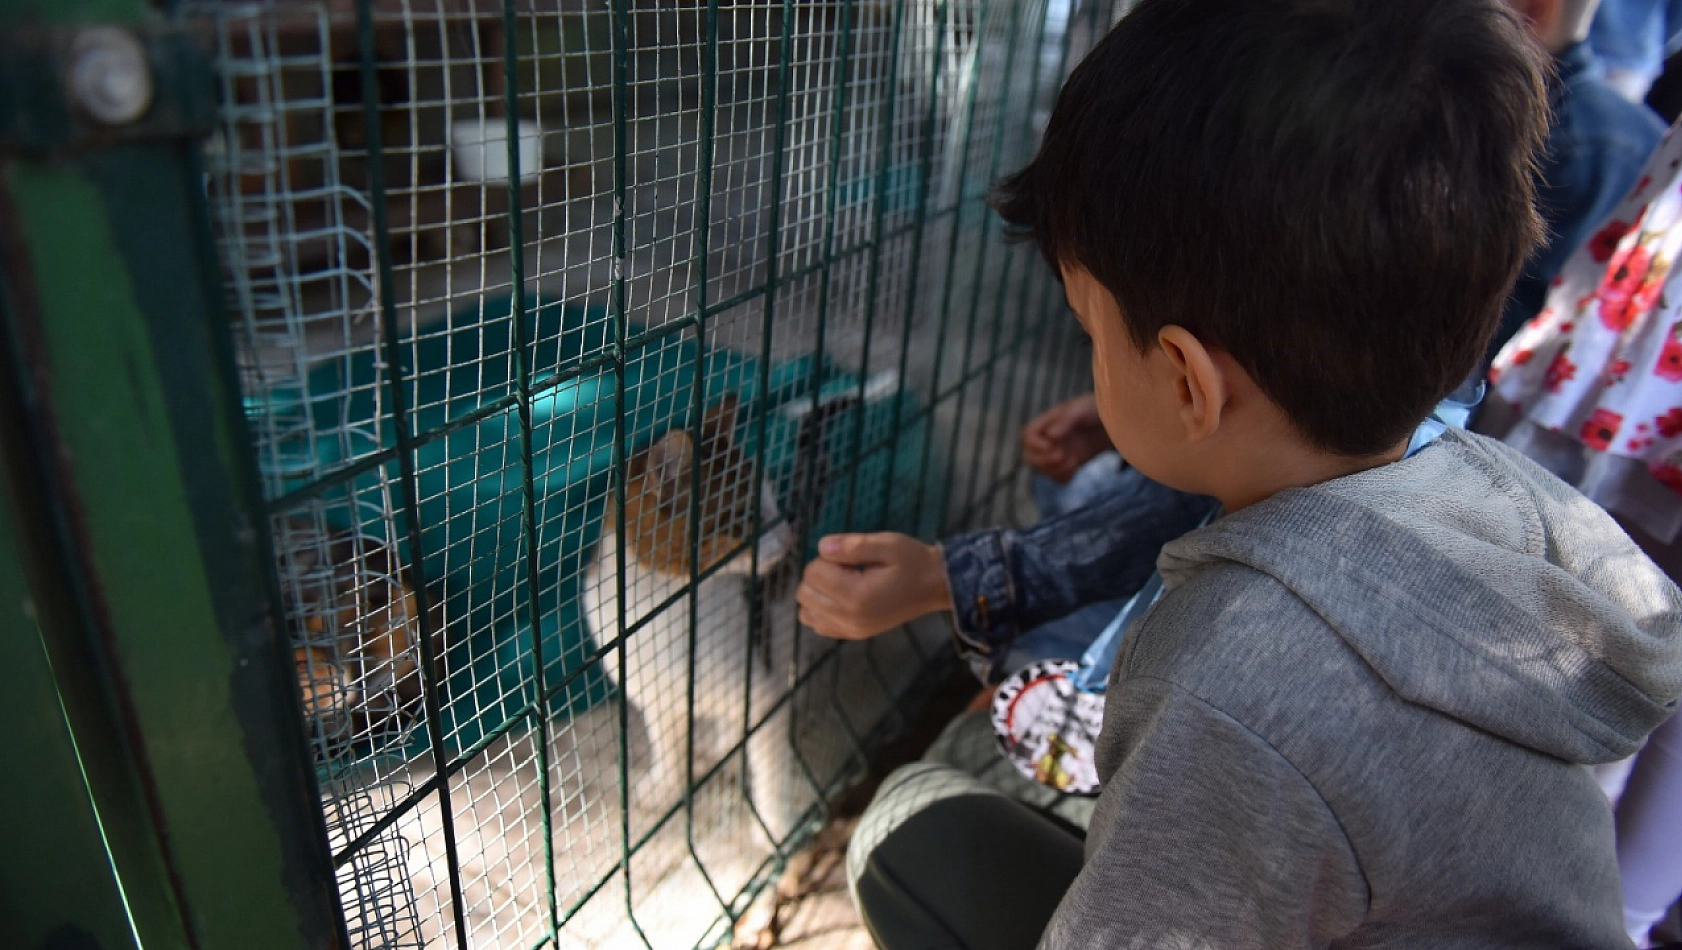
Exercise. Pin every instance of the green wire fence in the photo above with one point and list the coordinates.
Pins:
(564, 331)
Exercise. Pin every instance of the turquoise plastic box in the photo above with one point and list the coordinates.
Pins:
(470, 480)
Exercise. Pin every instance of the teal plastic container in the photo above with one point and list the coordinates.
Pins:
(470, 481)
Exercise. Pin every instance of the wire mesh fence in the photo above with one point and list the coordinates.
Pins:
(565, 330)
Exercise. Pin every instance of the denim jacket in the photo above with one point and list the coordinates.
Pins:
(1636, 35)
(1005, 582)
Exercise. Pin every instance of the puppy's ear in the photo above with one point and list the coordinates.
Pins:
(668, 464)
(719, 423)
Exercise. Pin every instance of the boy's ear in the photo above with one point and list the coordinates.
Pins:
(1202, 386)
(1542, 16)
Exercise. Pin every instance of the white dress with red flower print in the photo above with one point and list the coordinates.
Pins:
(1597, 376)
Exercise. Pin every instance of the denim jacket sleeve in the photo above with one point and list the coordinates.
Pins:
(1005, 582)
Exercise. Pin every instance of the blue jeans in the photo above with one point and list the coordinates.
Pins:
(1067, 637)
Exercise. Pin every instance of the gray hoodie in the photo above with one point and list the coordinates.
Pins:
(1361, 716)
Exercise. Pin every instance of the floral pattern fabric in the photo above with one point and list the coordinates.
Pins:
(1602, 362)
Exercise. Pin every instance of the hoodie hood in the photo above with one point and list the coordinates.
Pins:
(1478, 585)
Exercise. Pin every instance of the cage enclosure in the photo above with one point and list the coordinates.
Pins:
(563, 329)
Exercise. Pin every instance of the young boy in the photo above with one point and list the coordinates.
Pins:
(1359, 715)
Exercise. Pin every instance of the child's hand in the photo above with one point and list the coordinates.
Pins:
(1063, 438)
(862, 585)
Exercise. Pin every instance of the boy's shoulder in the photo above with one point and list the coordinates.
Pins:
(1460, 501)
(1464, 581)
(1241, 641)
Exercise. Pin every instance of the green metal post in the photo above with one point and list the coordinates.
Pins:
(397, 389)
(913, 286)
(843, 64)
(138, 526)
(523, 321)
(57, 883)
(697, 410)
(773, 255)
(621, 330)
(878, 240)
(1054, 309)
(949, 276)
(1002, 438)
(982, 246)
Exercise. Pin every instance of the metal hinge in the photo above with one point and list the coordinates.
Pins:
(65, 91)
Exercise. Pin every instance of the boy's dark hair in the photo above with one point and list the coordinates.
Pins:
(1338, 193)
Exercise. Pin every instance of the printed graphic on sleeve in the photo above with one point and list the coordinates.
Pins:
(1048, 728)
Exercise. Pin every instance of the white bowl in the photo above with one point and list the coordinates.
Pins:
(481, 149)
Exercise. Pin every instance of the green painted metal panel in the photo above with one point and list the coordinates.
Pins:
(57, 885)
(167, 639)
(146, 447)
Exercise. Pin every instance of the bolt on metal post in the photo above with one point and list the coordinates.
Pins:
(110, 78)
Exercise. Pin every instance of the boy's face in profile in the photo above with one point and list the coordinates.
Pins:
(1189, 416)
(1133, 389)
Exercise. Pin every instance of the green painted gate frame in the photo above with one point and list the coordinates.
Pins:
(160, 786)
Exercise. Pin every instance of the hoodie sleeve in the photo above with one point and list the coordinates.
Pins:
(1204, 836)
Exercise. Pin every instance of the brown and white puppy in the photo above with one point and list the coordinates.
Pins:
(663, 550)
